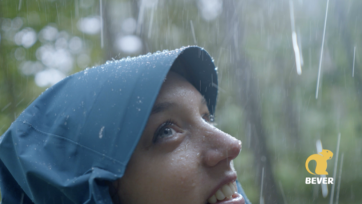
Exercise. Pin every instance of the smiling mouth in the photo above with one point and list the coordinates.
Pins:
(226, 192)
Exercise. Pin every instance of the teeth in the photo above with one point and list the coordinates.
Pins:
(234, 187)
(212, 199)
(225, 191)
(220, 195)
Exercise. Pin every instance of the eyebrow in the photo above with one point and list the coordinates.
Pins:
(160, 107)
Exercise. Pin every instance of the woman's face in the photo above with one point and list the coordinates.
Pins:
(181, 157)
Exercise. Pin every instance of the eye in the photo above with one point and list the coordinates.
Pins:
(164, 131)
(209, 118)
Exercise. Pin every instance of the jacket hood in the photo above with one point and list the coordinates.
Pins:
(80, 133)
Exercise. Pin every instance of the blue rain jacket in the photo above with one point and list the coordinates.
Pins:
(80, 133)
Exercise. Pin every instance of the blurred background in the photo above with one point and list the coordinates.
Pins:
(289, 75)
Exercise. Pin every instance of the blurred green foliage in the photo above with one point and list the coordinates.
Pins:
(293, 119)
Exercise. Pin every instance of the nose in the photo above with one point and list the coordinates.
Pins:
(219, 146)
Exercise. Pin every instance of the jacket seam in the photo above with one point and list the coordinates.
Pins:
(73, 142)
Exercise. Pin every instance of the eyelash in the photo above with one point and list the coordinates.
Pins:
(168, 123)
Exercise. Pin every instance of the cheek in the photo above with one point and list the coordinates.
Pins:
(166, 177)
(180, 171)
(185, 166)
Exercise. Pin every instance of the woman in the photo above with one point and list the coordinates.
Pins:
(128, 131)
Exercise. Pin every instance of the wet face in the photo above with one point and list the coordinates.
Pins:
(181, 157)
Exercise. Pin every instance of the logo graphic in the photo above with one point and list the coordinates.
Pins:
(321, 159)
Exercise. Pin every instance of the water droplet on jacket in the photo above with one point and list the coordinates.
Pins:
(101, 132)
